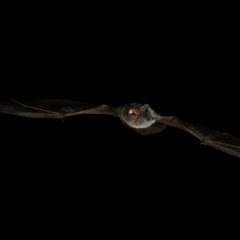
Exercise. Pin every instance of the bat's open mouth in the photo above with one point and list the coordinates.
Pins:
(133, 113)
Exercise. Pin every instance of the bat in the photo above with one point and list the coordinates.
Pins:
(138, 117)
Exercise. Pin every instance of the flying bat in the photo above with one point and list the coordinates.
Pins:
(138, 117)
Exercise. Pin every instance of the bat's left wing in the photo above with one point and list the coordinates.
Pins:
(53, 108)
(220, 140)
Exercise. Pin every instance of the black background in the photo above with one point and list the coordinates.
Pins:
(183, 65)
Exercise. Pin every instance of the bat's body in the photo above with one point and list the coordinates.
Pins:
(140, 118)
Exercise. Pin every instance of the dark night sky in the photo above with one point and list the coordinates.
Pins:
(179, 67)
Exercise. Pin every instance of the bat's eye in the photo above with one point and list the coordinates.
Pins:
(133, 113)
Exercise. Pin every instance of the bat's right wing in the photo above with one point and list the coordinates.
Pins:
(53, 108)
(220, 140)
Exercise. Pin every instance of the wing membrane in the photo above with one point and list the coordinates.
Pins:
(220, 140)
(53, 108)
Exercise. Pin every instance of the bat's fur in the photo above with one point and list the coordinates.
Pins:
(145, 119)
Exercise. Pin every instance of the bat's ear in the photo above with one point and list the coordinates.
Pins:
(144, 107)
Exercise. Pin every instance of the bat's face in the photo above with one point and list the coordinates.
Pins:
(137, 115)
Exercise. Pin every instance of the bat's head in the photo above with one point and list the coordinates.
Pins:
(137, 115)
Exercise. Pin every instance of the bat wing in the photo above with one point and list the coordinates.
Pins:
(53, 108)
(220, 140)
